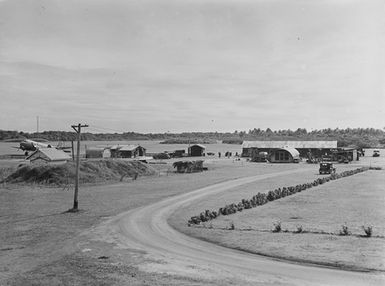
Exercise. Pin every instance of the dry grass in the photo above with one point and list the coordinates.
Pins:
(39, 238)
(6, 172)
(41, 244)
(91, 171)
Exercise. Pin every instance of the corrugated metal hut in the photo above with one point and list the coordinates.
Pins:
(98, 152)
(196, 150)
(284, 155)
(305, 148)
(49, 155)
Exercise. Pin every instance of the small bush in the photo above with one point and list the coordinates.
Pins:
(270, 196)
(277, 227)
(188, 166)
(344, 230)
(375, 168)
(368, 230)
(299, 229)
(159, 156)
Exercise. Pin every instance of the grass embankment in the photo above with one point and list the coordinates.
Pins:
(321, 212)
(5, 172)
(90, 172)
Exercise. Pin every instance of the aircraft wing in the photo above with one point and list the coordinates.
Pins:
(39, 140)
(63, 148)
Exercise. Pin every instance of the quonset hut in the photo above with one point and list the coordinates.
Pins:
(98, 152)
(284, 155)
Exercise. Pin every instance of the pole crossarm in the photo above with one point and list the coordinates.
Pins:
(78, 127)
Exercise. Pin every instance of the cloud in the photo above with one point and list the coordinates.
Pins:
(169, 65)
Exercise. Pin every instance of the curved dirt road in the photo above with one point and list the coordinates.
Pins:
(146, 229)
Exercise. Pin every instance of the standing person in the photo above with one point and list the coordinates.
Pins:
(219, 154)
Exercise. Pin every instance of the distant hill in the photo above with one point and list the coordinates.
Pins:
(360, 137)
(188, 141)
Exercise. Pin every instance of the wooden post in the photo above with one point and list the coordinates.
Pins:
(78, 129)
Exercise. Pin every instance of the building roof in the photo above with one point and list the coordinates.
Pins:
(131, 147)
(293, 152)
(291, 144)
(347, 149)
(114, 147)
(199, 145)
(96, 149)
(49, 154)
(128, 147)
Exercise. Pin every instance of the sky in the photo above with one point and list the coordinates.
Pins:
(191, 65)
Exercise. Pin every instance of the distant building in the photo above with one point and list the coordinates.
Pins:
(284, 155)
(305, 148)
(346, 154)
(178, 153)
(114, 151)
(49, 155)
(196, 150)
(127, 151)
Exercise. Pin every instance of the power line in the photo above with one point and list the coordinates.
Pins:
(99, 128)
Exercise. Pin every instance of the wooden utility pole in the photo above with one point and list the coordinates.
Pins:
(78, 129)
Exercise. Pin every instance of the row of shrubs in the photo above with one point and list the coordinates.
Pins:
(299, 229)
(343, 232)
(263, 198)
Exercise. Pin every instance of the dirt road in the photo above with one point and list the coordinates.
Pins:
(169, 251)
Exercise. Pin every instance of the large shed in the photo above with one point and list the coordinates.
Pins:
(305, 148)
(284, 155)
(49, 155)
(196, 150)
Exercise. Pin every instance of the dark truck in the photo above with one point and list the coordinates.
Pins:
(326, 168)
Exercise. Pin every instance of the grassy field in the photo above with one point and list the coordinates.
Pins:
(41, 244)
(44, 245)
(354, 201)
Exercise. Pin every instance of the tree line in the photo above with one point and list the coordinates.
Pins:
(360, 137)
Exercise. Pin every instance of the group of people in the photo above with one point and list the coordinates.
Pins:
(228, 154)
